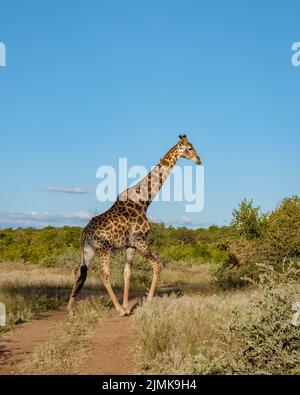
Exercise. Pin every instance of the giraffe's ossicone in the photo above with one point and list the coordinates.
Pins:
(125, 225)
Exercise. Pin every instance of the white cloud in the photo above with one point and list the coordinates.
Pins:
(183, 220)
(40, 219)
(66, 190)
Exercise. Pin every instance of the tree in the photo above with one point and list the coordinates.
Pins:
(248, 221)
(283, 232)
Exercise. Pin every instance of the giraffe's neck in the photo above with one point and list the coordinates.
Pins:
(146, 190)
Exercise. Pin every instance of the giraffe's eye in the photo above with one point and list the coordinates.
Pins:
(190, 149)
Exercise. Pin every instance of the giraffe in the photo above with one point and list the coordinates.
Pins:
(125, 225)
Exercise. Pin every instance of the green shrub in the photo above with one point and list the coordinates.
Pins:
(34, 245)
(199, 252)
(261, 239)
(283, 235)
(248, 221)
(240, 263)
(262, 340)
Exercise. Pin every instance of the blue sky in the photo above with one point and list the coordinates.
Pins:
(87, 82)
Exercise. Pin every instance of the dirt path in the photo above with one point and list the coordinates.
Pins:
(109, 350)
(17, 345)
(110, 353)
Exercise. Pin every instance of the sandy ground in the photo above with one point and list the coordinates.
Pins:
(111, 352)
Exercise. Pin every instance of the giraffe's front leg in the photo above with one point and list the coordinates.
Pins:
(105, 274)
(127, 273)
(155, 263)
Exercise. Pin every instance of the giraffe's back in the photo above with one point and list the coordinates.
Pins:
(118, 227)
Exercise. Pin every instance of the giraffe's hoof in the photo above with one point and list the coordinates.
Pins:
(127, 309)
(149, 299)
(125, 312)
(70, 311)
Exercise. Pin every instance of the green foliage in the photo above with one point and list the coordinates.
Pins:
(261, 239)
(283, 235)
(198, 252)
(264, 339)
(248, 221)
(38, 245)
(59, 246)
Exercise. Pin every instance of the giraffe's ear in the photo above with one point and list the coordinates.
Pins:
(183, 138)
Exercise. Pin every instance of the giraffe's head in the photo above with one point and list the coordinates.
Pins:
(186, 150)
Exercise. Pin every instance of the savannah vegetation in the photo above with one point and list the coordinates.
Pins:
(225, 295)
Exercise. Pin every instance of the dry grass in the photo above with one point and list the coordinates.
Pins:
(249, 331)
(169, 331)
(34, 274)
(25, 302)
(188, 281)
(29, 290)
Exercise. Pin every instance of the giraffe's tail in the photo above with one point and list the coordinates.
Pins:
(81, 270)
(82, 241)
(87, 251)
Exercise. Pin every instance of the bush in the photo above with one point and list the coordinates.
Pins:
(263, 340)
(261, 239)
(199, 252)
(240, 264)
(283, 235)
(34, 245)
(248, 221)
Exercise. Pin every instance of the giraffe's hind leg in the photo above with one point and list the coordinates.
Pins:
(105, 274)
(81, 274)
(127, 273)
(143, 248)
